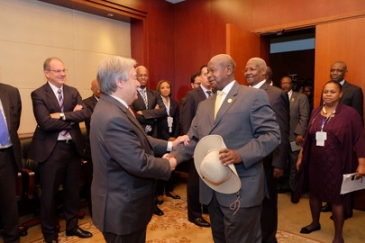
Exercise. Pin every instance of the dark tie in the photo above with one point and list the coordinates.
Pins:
(209, 93)
(148, 128)
(4, 134)
(60, 101)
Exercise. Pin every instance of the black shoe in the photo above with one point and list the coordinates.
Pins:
(79, 233)
(283, 190)
(158, 211)
(200, 222)
(305, 230)
(170, 195)
(293, 199)
(326, 208)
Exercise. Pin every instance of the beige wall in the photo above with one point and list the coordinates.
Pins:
(31, 31)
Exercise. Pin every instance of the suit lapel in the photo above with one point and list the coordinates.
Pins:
(51, 96)
(4, 96)
(226, 104)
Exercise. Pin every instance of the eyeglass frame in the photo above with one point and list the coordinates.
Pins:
(58, 70)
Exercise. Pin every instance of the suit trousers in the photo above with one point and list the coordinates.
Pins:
(62, 167)
(194, 205)
(269, 214)
(242, 227)
(8, 201)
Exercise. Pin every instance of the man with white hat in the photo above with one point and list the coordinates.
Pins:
(248, 131)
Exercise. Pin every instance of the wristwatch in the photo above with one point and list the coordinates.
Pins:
(62, 116)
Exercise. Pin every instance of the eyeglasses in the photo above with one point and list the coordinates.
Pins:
(58, 70)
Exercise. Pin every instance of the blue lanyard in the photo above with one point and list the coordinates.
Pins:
(324, 121)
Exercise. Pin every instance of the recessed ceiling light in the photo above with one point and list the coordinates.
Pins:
(110, 15)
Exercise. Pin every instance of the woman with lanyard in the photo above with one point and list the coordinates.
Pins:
(333, 145)
(167, 129)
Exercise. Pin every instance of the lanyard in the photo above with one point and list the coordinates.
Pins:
(324, 120)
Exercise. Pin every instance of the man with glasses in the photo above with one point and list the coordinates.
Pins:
(57, 145)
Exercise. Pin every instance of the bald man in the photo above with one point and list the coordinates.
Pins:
(275, 162)
(247, 124)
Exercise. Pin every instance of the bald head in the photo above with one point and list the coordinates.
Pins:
(338, 71)
(221, 70)
(95, 88)
(142, 76)
(255, 70)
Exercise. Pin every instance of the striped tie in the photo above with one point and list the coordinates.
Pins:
(148, 128)
(60, 101)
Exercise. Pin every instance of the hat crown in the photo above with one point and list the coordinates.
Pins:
(212, 168)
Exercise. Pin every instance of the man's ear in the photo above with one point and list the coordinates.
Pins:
(119, 83)
(229, 69)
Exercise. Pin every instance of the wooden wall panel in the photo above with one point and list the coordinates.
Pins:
(241, 46)
(342, 40)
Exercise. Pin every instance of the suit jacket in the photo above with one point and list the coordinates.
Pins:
(46, 133)
(247, 124)
(299, 115)
(150, 115)
(192, 100)
(125, 169)
(12, 104)
(280, 104)
(353, 96)
(90, 104)
(162, 126)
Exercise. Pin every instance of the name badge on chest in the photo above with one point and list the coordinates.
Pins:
(320, 138)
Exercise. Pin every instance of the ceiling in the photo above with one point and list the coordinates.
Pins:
(175, 1)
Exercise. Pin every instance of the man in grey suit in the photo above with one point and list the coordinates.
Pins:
(125, 168)
(299, 115)
(246, 122)
(276, 161)
(10, 160)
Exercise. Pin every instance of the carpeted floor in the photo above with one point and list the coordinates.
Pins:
(174, 227)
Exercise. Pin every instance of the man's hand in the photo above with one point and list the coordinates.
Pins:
(278, 173)
(78, 108)
(360, 171)
(172, 160)
(185, 139)
(298, 139)
(228, 156)
(55, 115)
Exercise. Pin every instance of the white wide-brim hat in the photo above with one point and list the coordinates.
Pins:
(212, 171)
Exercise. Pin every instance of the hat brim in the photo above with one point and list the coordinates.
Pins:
(207, 143)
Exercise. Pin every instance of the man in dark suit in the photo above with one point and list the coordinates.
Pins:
(125, 168)
(246, 122)
(299, 115)
(90, 104)
(10, 160)
(352, 95)
(276, 161)
(193, 98)
(148, 108)
(57, 145)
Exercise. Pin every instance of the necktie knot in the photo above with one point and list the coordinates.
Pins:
(209, 93)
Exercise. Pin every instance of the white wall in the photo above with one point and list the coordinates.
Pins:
(31, 31)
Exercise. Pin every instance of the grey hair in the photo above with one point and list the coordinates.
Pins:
(110, 69)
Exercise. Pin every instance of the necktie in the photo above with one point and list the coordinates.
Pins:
(131, 111)
(148, 128)
(60, 101)
(4, 134)
(209, 93)
(217, 103)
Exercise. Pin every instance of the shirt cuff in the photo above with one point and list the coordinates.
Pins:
(169, 146)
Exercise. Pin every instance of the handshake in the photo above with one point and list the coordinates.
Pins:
(172, 160)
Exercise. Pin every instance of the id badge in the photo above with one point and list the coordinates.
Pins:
(170, 120)
(320, 138)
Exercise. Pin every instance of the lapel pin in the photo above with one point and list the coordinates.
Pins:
(229, 101)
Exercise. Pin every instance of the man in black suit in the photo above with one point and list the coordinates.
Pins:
(90, 104)
(275, 162)
(57, 145)
(10, 160)
(353, 96)
(193, 98)
(148, 108)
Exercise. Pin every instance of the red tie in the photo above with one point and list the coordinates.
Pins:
(131, 111)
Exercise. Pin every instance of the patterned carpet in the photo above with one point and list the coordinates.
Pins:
(174, 227)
